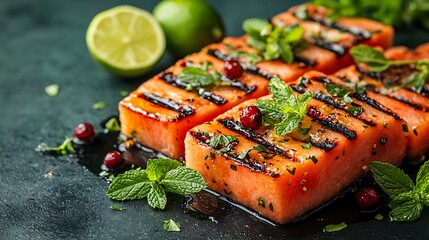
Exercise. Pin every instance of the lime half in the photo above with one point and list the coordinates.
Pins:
(126, 40)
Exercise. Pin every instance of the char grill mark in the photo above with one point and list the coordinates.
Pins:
(183, 110)
(326, 98)
(326, 145)
(253, 165)
(249, 134)
(330, 123)
(234, 83)
(253, 69)
(336, 48)
(171, 79)
(397, 74)
(405, 101)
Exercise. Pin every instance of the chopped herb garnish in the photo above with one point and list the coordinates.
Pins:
(261, 202)
(274, 41)
(339, 91)
(408, 199)
(63, 149)
(415, 132)
(405, 127)
(383, 140)
(212, 155)
(250, 58)
(117, 208)
(52, 90)
(99, 105)
(307, 146)
(312, 158)
(222, 143)
(285, 111)
(378, 217)
(233, 167)
(291, 171)
(171, 226)
(112, 125)
(304, 131)
(160, 176)
(271, 207)
(199, 77)
(335, 227)
(355, 110)
(377, 62)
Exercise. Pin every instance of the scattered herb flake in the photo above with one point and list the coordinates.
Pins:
(271, 207)
(307, 146)
(415, 132)
(99, 105)
(312, 158)
(113, 125)
(378, 217)
(171, 226)
(117, 208)
(291, 171)
(355, 110)
(304, 131)
(63, 149)
(335, 227)
(124, 93)
(52, 90)
(261, 202)
(233, 167)
(405, 127)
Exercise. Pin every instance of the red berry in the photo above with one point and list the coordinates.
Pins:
(250, 117)
(367, 197)
(233, 69)
(84, 132)
(113, 160)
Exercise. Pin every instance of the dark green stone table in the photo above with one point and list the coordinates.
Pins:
(47, 197)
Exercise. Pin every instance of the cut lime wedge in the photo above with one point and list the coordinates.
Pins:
(126, 40)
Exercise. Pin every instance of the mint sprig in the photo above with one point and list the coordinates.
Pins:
(285, 110)
(408, 199)
(65, 148)
(273, 41)
(171, 226)
(160, 176)
(377, 62)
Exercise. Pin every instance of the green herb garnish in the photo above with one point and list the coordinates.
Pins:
(378, 217)
(339, 91)
(408, 199)
(199, 77)
(355, 110)
(52, 90)
(113, 125)
(335, 227)
(63, 149)
(124, 93)
(117, 208)
(160, 176)
(285, 111)
(377, 62)
(222, 143)
(273, 41)
(99, 105)
(171, 226)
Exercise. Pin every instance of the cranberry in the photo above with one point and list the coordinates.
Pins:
(84, 132)
(113, 160)
(367, 197)
(250, 117)
(233, 69)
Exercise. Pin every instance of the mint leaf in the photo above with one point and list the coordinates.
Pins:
(391, 179)
(182, 180)
(335, 227)
(195, 77)
(374, 58)
(257, 27)
(222, 140)
(131, 185)
(405, 207)
(99, 105)
(157, 197)
(422, 180)
(158, 167)
(171, 226)
(285, 111)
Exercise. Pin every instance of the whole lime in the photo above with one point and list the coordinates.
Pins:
(188, 25)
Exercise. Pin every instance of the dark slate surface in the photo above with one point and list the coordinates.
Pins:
(43, 42)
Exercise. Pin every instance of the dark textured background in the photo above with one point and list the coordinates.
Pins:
(43, 42)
